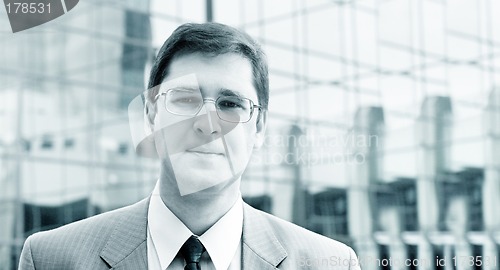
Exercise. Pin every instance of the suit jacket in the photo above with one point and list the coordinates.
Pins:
(117, 240)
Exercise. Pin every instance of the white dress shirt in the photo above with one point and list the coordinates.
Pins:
(167, 234)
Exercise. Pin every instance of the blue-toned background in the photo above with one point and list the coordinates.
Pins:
(384, 121)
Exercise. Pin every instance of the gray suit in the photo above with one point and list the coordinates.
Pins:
(117, 240)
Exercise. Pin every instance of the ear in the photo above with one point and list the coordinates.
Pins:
(261, 129)
(149, 117)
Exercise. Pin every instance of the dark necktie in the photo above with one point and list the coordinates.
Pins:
(192, 251)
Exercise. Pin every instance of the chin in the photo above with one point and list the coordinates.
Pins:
(214, 187)
(193, 176)
(191, 181)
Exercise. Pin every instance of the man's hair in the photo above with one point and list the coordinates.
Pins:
(211, 39)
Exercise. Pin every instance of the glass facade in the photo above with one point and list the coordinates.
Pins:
(383, 125)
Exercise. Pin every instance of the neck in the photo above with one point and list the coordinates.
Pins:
(201, 210)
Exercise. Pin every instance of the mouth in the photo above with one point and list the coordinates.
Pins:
(204, 152)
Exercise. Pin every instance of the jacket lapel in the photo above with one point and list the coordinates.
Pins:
(126, 247)
(261, 248)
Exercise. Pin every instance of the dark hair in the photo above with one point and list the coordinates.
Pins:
(211, 39)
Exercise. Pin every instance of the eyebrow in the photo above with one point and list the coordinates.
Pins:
(228, 92)
(222, 91)
(189, 88)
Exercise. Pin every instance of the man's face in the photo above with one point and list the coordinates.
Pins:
(203, 150)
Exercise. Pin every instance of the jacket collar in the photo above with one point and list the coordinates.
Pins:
(261, 248)
(126, 247)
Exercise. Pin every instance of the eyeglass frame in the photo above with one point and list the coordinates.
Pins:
(214, 101)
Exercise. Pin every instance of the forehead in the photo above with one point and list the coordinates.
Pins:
(213, 74)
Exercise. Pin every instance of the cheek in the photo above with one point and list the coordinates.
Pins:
(171, 133)
(241, 140)
(164, 119)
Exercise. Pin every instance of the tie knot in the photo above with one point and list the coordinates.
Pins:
(192, 250)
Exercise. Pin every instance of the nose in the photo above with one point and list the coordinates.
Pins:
(206, 121)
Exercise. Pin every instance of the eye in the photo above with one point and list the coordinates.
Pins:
(184, 97)
(186, 100)
(231, 103)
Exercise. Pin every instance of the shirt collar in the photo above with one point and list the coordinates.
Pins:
(220, 241)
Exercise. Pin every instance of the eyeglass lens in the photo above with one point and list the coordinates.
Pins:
(189, 102)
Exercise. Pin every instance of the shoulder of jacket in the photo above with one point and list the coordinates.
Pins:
(97, 226)
(302, 239)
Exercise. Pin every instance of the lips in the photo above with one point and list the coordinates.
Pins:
(174, 136)
(205, 152)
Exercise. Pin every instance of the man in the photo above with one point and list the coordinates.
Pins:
(205, 112)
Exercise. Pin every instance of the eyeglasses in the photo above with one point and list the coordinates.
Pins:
(189, 102)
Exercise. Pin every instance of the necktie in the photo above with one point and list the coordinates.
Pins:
(192, 251)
